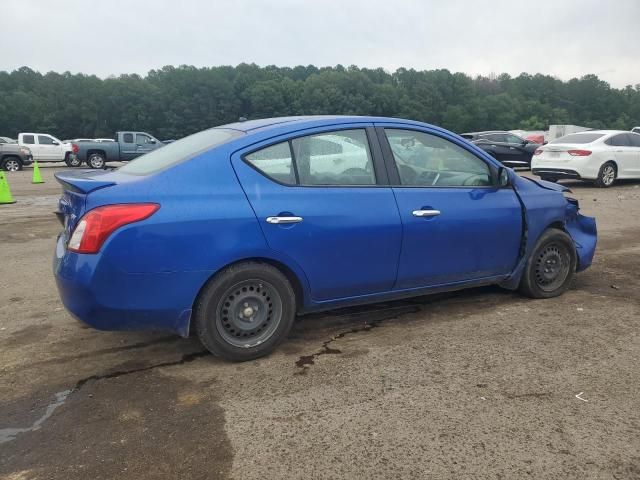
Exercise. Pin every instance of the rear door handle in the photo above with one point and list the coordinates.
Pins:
(281, 220)
(426, 213)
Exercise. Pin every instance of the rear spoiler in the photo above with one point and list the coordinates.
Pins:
(83, 181)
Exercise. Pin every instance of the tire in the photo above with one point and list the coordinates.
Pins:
(72, 161)
(11, 164)
(96, 160)
(551, 267)
(606, 175)
(245, 311)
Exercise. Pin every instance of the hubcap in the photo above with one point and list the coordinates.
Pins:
(608, 175)
(248, 313)
(12, 165)
(552, 267)
(96, 162)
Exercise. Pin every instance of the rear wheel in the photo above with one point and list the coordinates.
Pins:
(551, 266)
(606, 175)
(245, 311)
(11, 164)
(96, 160)
(72, 160)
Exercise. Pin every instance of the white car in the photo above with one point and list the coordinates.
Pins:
(47, 148)
(635, 129)
(601, 156)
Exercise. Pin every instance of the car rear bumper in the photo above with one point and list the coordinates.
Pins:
(107, 298)
(558, 173)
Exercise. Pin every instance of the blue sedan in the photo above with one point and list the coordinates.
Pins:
(233, 231)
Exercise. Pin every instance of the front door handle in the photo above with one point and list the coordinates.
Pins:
(281, 220)
(426, 213)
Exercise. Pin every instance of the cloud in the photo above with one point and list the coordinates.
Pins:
(565, 39)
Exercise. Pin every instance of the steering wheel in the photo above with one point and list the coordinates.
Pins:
(475, 181)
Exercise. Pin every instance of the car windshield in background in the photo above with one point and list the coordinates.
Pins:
(579, 138)
(178, 151)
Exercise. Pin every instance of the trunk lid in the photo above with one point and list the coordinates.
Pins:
(77, 185)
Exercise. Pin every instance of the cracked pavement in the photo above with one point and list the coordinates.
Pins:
(474, 384)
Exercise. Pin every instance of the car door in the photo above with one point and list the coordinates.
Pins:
(128, 147)
(29, 141)
(496, 145)
(624, 153)
(634, 167)
(322, 203)
(144, 144)
(50, 148)
(457, 226)
(517, 154)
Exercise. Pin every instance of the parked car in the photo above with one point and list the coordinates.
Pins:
(601, 156)
(233, 231)
(13, 157)
(510, 149)
(47, 148)
(127, 146)
(7, 140)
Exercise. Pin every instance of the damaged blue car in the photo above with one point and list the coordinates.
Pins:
(233, 231)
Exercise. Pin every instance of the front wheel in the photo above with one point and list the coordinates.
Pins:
(11, 164)
(606, 175)
(96, 160)
(245, 311)
(551, 267)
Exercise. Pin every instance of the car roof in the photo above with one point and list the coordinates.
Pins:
(302, 121)
(486, 131)
(600, 132)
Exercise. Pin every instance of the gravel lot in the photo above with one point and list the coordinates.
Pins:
(477, 384)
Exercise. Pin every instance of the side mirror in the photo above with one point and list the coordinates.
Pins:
(55, 143)
(503, 177)
(152, 141)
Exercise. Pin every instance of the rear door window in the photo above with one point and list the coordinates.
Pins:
(336, 158)
(127, 138)
(333, 158)
(28, 139)
(275, 162)
(618, 141)
(634, 139)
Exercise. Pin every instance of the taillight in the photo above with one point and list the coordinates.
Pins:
(538, 151)
(579, 153)
(96, 225)
(74, 148)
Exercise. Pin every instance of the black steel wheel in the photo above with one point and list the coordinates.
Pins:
(551, 266)
(245, 311)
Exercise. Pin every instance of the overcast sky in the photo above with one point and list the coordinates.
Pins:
(564, 38)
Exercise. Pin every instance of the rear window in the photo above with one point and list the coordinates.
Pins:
(178, 151)
(579, 138)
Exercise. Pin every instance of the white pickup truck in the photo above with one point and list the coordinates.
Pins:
(47, 148)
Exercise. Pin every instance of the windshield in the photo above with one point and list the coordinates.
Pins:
(578, 138)
(178, 151)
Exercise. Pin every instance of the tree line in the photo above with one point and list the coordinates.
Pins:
(176, 101)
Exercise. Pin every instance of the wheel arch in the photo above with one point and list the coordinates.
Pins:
(293, 278)
(97, 150)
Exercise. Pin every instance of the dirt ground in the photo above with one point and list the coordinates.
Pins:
(477, 384)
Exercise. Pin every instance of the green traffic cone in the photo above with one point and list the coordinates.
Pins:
(5, 192)
(37, 178)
